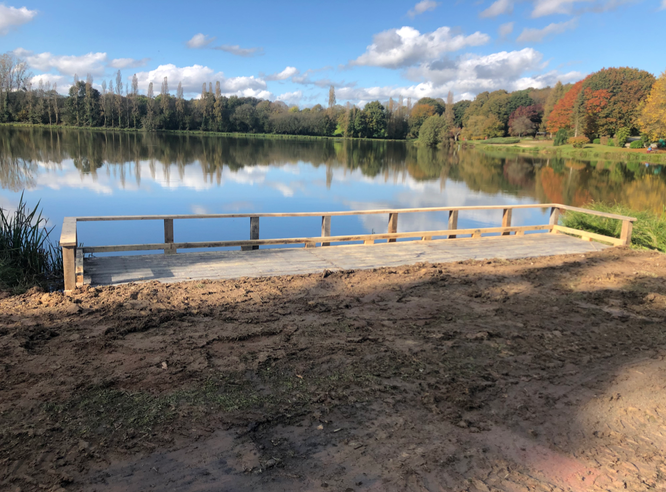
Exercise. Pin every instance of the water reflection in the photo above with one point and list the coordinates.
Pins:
(73, 170)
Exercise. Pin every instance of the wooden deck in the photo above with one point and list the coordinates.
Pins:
(290, 261)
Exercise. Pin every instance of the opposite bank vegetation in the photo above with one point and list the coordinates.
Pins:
(605, 103)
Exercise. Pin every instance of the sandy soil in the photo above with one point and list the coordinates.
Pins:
(539, 375)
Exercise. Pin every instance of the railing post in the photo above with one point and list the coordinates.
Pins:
(79, 267)
(554, 216)
(453, 222)
(69, 267)
(254, 233)
(392, 225)
(168, 237)
(506, 220)
(625, 235)
(326, 228)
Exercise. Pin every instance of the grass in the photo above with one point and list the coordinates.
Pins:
(649, 230)
(27, 257)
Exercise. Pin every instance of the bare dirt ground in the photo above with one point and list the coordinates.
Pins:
(533, 375)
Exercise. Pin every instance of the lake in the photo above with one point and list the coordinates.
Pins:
(79, 172)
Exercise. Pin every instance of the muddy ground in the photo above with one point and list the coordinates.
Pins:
(542, 375)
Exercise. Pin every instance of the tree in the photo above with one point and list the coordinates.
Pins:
(434, 130)
(525, 120)
(483, 126)
(610, 98)
(555, 95)
(375, 119)
(652, 113)
(417, 117)
(449, 113)
(562, 115)
(331, 97)
(429, 101)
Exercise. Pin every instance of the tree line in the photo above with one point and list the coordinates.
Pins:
(601, 104)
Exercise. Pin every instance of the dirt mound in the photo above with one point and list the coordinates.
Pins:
(543, 374)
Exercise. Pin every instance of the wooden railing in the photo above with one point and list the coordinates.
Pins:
(73, 254)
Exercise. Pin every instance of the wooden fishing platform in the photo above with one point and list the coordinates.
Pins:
(326, 252)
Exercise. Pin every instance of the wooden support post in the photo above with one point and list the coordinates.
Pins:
(476, 234)
(554, 216)
(326, 228)
(506, 220)
(453, 222)
(79, 267)
(168, 237)
(369, 242)
(426, 238)
(254, 233)
(392, 225)
(625, 235)
(69, 267)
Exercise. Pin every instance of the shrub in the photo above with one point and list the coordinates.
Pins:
(502, 140)
(636, 144)
(596, 141)
(579, 142)
(621, 136)
(611, 142)
(27, 257)
(561, 137)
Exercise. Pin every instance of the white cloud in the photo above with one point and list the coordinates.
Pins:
(92, 63)
(291, 98)
(121, 63)
(194, 76)
(199, 41)
(550, 7)
(397, 48)
(506, 29)
(663, 5)
(499, 7)
(530, 35)
(467, 76)
(49, 78)
(284, 74)
(421, 7)
(12, 17)
(234, 49)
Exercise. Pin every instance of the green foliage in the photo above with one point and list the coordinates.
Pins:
(27, 257)
(433, 131)
(579, 142)
(611, 143)
(649, 230)
(596, 141)
(502, 140)
(636, 144)
(621, 136)
(561, 137)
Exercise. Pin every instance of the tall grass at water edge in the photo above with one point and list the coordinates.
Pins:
(649, 230)
(27, 256)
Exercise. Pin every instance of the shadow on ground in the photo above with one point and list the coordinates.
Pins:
(543, 374)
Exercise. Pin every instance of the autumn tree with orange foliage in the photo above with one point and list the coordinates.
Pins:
(419, 114)
(652, 117)
(562, 114)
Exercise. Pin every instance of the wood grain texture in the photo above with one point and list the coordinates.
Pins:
(290, 261)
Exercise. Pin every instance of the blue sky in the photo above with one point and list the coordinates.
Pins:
(293, 50)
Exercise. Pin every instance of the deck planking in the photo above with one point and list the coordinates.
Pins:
(114, 270)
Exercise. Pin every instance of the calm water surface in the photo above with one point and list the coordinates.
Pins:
(104, 173)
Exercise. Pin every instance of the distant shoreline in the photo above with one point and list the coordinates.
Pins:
(275, 136)
(591, 152)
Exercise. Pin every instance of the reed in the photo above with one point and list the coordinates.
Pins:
(27, 256)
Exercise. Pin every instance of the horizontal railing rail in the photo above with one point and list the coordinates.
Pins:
(73, 255)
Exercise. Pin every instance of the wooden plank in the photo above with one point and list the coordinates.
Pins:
(625, 235)
(68, 234)
(392, 225)
(254, 233)
(69, 267)
(325, 228)
(303, 240)
(594, 212)
(589, 235)
(168, 237)
(453, 222)
(506, 220)
(79, 268)
(554, 216)
(312, 214)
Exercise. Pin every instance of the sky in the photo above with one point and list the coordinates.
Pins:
(293, 51)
